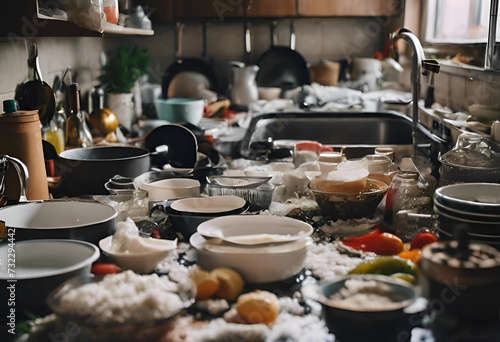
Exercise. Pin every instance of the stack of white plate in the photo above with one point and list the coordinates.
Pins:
(262, 248)
(476, 205)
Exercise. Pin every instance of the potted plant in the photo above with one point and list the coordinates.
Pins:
(120, 73)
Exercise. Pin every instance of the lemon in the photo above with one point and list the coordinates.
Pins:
(230, 283)
(206, 283)
(258, 307)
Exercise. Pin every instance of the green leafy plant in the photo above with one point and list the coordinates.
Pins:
(125, 67)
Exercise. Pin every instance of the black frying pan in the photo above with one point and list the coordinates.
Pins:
(281, 66)
(37, 94)
(219, 82)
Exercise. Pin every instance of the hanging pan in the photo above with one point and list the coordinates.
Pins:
(282, 66)
(37, 94)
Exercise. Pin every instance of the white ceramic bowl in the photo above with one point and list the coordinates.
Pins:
(169, 189)
(255, 229)
(41, 266)
(140, 262)
(60, 219)
(180, 110)
(256, 264)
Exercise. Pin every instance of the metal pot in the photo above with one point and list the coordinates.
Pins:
(84, 171)
(77, 220)
(461, 282)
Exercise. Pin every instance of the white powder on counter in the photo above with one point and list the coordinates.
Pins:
(326, 262)
(123, 298)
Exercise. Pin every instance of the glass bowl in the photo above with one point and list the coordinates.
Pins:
(139, 329)
(259, 196)
(344, 206)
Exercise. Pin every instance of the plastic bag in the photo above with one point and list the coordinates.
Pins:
(86, 13)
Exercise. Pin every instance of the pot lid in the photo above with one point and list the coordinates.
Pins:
(471, 151)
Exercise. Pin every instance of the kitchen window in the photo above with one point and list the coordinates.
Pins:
(457, 21)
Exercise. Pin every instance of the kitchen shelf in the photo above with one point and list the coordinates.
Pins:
(120, 30)
(23, 21)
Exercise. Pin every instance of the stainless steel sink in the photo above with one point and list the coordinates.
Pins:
(357, 132)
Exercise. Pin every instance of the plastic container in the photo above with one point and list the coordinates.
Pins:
(110, 8)
(259, 197)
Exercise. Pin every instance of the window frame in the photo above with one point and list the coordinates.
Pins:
(447, 50)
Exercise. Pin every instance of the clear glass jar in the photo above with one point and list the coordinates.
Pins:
(406, 197)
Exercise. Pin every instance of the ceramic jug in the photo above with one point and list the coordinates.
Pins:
(244, 89)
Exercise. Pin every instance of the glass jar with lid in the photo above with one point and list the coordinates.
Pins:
(471, 160)
(406, 196)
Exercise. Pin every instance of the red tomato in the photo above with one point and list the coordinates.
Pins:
(422, 239)
(156, 233)
(103, 268)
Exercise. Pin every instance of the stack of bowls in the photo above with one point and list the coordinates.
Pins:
(476, 205)
(261, 248)
(187, 213)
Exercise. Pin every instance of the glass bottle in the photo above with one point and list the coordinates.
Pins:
(54, 135)
(406, 200)
(76, 134)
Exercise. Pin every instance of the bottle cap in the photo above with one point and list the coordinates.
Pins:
(74, 88)
(10, 106)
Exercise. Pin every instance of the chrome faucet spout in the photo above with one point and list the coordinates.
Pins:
(418, 62)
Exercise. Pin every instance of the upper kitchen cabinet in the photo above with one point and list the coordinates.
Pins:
(23, 20)
(197, 9)
(355, 8)
(275, 8)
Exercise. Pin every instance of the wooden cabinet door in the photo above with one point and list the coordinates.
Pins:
(364, 8)
(186, 9)
(271, 8)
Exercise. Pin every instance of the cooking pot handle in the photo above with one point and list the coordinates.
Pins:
(292, 35)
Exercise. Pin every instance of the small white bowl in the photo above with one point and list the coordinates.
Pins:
(169, 189)
(140, 262)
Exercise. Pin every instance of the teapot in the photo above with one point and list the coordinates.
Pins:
(22, 173)
(244, 88)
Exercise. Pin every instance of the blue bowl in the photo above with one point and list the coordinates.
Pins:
(177, 110)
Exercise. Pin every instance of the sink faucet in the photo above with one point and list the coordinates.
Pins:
(419, 65)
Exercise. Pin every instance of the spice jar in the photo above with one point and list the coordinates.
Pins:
(405, 196)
